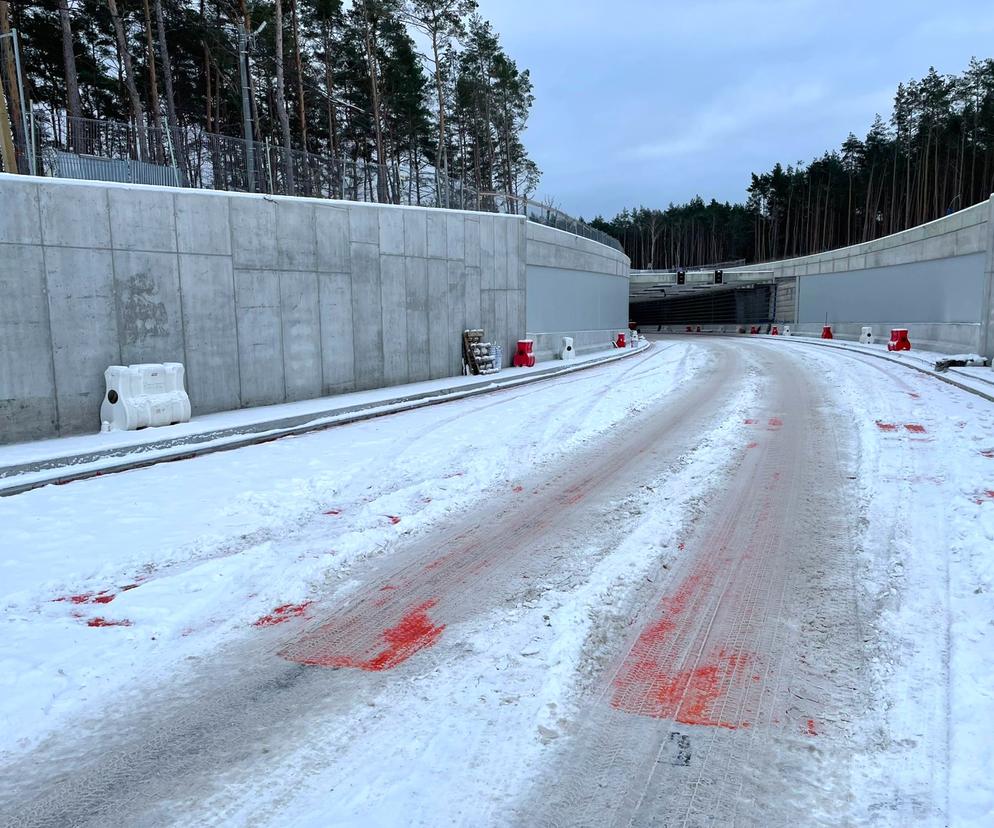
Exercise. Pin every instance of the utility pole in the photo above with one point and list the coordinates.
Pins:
(246, 109)
(245, 39)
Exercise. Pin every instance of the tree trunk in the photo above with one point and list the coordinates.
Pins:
(73, 103)
(124, 53)
(153, 83)
(167, 77)
(374, 83)
(281, 112)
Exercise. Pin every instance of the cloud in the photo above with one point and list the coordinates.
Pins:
(734, 112)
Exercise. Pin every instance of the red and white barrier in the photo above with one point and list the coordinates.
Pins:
(899, 340)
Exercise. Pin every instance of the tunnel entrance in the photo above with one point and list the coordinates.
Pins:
(736, 306)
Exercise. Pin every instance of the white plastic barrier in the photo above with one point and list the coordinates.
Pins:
(866, 337)
(786, 330)
(566, 352)
(139, 396)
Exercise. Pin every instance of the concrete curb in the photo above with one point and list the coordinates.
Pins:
(198, 445)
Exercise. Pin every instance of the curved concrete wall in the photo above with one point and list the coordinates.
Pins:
(935, 280)
(264, 299)
(575, 287)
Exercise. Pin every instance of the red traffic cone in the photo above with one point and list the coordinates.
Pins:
(826, 332)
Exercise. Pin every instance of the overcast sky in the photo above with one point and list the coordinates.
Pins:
(648, 101)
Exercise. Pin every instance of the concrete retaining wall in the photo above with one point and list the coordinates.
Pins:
(934, 279)
(264, 299)
(575, 287)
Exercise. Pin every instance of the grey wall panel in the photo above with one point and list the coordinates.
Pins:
(265, 299)
(83, 314)
(27, 381)
(941, 290)
(301, 330)
(438, 316)
(393, 290)
(149, 312)
(418, 329)
(260, 336)
(367, 316)
(337, 345)
(207, 288)
(563, 300)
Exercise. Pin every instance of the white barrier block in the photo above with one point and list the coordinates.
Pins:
(566, 352)
(786, 331)
(140, 396)
(866, 337)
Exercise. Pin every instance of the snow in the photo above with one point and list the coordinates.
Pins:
(31, 462)
(217, 543)
(208, 540)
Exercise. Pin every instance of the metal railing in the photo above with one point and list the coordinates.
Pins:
(100, 150)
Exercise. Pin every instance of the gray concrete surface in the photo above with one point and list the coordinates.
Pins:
(575, 287)
(934, 279)
(267, 299)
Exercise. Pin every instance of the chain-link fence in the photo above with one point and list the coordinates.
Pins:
(190, 157)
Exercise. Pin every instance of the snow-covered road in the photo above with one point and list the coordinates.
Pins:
(723, 581)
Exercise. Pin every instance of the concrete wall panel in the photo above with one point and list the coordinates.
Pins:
(83, 317)
(203, 225)
(142, 220)
(367, 316)
(265, 299)
(149, 312)
(207, 289)
(27, 380)
(418, 329)
(337, 345)
(393, 292)
(260, 337)
(301, 327)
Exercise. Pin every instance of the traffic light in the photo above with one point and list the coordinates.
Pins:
(719, 277)
(681, 277)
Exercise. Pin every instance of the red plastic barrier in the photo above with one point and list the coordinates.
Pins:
(899, 340)
(826, 332)
(753, 330)
(523, 356)
(775, 331)
(690, 329)
(698, 329)
(620, 342)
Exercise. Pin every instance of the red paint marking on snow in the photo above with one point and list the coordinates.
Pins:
(752, 445)
(812, 731)
(775, 423)
(394, 519)
(985, 495)
(989, 454)
(415, 631)
(749, 422)
(886, 426)
(283, 613)
(681, 546)
(518, 489)
(387, 588)
(693, 696)
(915, 396)
(104, 599)
(653, 682)
(914, 428)
(105, 622)
(129, 587)
(333, 512)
